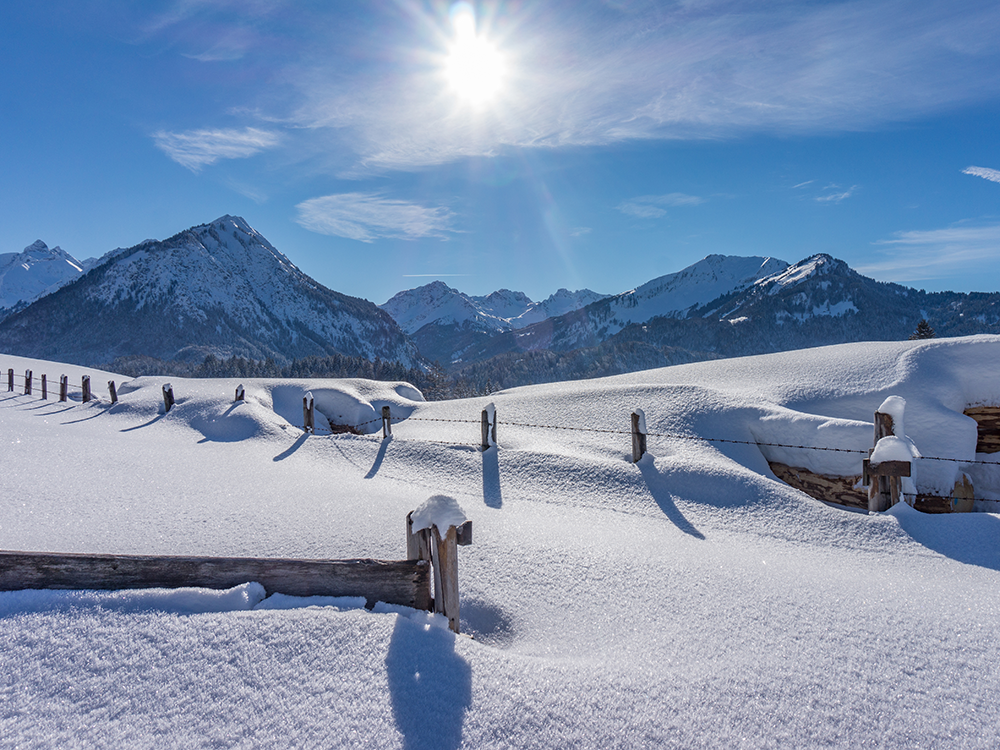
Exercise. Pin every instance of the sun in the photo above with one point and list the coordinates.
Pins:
(474, 66)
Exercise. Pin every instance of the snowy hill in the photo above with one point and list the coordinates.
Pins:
(36, 271)
(218, 288)
(691, 600)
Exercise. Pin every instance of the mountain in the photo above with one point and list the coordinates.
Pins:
(815, 302)
(36, 271)
(445, 322)
(218, 288)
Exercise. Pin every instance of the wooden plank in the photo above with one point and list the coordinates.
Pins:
(394, 582)
(988, 432)
(889, 469)
(830, 489)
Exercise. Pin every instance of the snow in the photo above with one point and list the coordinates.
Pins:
(891, 448)
(440, 511)
(690, 600)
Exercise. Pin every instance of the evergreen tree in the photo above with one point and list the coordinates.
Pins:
(924, 331)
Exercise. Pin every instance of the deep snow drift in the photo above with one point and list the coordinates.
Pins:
(690, 600)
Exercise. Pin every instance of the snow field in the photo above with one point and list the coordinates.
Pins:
(687, 601)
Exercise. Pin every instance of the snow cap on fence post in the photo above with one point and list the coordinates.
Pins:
(442, 517)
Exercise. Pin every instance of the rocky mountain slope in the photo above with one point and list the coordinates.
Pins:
(218, 288)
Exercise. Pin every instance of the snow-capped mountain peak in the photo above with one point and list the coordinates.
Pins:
(34, 272)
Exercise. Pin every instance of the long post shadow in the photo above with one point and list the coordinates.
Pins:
(429, 684)
(379, 457)
(492, 495)
(656, 483)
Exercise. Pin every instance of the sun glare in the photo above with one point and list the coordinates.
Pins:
(474, 66)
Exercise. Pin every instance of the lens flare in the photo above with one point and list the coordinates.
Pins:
(474, 67)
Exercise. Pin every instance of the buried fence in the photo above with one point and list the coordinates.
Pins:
(432, 558)
(876, 487)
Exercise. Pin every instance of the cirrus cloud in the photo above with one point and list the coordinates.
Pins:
(195, 149)
(652, 206)
(986, 173)
(367, 217)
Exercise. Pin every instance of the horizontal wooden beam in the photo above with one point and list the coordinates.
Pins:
(887, 468)
(394, 582)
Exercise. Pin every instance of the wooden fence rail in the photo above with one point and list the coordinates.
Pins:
(432, 556)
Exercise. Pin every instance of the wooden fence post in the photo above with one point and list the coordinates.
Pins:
(168, 397)
(884, 480)
(240, 393)
(442, 552)
(386, 422)
(638, 435)
(85, 384)
(309, 412)
(63, 387)
(10, 379)
(113, 391)
(45, 387)
(27, 382)
(489, 430)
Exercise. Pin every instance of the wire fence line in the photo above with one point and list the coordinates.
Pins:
(593, 430)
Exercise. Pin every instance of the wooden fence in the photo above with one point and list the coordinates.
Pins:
(432, 556)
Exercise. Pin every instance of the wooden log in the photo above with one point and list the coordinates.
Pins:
(113, 392)
(638, 439)
(829, 489)
(240, 393)
(168, 397)
(395, 582)
(988, 427)
(10, 380)
(45, 387)
(85, 384)
(886, 469)
(63, 387)
(386, 422)
(445, 556)
(27, 382)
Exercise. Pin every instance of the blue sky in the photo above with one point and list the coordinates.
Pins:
(526, 145)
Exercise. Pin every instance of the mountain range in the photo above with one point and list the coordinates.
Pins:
(222, 289)
(219, 289)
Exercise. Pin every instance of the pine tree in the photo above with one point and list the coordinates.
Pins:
(924, 331)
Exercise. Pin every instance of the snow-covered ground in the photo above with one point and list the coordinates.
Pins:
(690, 600)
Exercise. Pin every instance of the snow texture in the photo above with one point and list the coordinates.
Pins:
(690, 600)
(440, 511)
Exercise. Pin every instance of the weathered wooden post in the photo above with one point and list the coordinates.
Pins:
(309, 413)
(85, 385)
(240, 394)
(884, 479)
(638, 435)
(386, 422)
(27, 382)
(10, 379)
(113, 391)
(63, 387)
(168, 397)
(45, 387)
(489, 426)
(428, 543)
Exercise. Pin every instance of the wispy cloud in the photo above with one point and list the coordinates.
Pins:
(370, 216)
(666, 71)
(652, 206)
(195, 149)
(803, 184)
(580, 231)
(936, 253)
(986, 173)
(837, 197)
